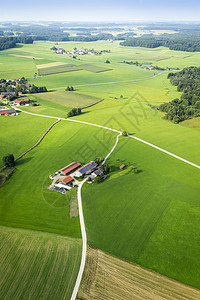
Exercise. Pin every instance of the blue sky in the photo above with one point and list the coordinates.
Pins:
(101, 10)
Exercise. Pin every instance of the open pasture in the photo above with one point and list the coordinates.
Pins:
(150, 218)
(36, 265)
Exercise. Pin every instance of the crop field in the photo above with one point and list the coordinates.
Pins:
(69, 99)
(150, 218)
(107, 277)
(58, 67)
(36, 265)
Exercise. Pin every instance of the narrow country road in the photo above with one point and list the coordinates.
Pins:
(84, 243)
(115, 145)
(117, 131)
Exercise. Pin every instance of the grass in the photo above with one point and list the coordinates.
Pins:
(107, 277)
(20, 133)
(69, 99)
(150, 218)
(25, 200)
(36, 265)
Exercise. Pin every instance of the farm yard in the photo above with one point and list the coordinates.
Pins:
(151, 219)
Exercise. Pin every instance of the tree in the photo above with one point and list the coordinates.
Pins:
(124, 133)
(9, 160)
(107, 61)
(97, 179)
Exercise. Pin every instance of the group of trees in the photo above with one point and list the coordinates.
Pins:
(187, 82)
(37, 89)
(69, 89)
(21, 87)
(9, 161)
(181, 41)
(74, 112)
(10, 42)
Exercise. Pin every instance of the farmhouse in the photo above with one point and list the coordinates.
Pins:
(98, 172)
(20, 102)
(86, 169)
(122, 167)
(8, 112)
(6, 94)
(70, 168)
(66, 179)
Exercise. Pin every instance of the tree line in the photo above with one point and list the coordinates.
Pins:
(188, 106)
(10, 42)
(189, 41)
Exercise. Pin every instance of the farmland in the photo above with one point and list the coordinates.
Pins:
(150, 218)
(69, 99)
(145, 221)
(107, 277)
(55, 68)
(37, 265)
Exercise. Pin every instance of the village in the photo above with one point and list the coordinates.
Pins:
(71, 175)
(82, 51)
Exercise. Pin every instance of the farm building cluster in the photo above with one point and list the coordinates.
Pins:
(4, 111)
(68, 177)
(82, 51)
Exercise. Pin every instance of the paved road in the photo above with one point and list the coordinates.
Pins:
(114, 82)
(84, 243)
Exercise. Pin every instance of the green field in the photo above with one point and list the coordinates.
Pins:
(25, 200)
(151, 218)
(55, 68)
(36, 265)
(69, 99)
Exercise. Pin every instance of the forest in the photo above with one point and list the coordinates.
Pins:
(10, 42)
(187, 82)
(184, 41)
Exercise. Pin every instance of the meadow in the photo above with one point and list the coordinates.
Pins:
(25, 200)
(151, 218)
(37, 265)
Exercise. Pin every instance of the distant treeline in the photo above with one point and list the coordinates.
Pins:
(187, 82)
(10, 42)
(181, 41)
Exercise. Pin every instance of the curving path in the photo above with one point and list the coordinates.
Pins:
(119, 132)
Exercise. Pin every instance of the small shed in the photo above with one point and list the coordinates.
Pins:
(122, 166)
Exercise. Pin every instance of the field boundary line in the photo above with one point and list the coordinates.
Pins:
(84, 243)
(38, 142)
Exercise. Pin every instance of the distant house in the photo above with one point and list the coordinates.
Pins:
(86, 169)
(66, 179)
(122, 166)
(20, 102)
(6, 94)
(2, 96)
(70, 168)
(8, 112)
